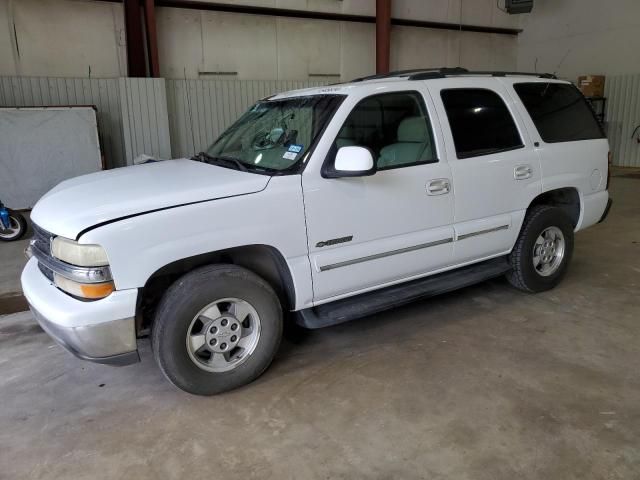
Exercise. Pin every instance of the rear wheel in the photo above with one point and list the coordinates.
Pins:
(216, 328)
(17, 228)
(541, 255)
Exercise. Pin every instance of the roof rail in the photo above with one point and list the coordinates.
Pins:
(410, 72)
(426, 75)
(442, 72)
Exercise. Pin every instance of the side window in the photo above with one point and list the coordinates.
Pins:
(480, 122)
(559, 112)
(395, 127)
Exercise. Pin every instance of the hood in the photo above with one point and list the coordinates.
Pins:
(85, 201)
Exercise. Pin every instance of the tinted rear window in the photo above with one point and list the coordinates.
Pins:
(559, 112)
(480, 122)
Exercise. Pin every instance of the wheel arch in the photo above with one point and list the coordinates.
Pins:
(263, 260)
(565, 198)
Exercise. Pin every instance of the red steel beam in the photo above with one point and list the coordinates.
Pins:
(340, 17)
(152, 37)
(383, 35)
(136, 63)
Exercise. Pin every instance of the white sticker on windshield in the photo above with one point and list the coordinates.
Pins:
(295, 148)
(290, 155)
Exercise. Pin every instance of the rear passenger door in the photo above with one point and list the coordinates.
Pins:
(495, 170)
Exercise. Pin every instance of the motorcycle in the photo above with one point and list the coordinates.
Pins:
(13, 225)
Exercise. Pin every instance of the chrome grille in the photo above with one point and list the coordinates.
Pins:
(42, 241)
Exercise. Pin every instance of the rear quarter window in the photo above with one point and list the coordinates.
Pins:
(559, 112)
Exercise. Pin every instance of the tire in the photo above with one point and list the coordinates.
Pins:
(185, 313)
(528, 276)
(18, 228)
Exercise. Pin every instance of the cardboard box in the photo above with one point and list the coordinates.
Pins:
(591, 85)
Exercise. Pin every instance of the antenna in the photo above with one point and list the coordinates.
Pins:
(562, 61)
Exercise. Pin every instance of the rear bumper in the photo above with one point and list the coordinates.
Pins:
(594, 207)
(606, 211)
(102, 331)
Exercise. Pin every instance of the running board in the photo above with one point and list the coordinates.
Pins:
(383, 299)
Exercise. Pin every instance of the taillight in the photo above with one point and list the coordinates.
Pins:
(609, 162)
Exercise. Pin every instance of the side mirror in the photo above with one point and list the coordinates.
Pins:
(353, 162)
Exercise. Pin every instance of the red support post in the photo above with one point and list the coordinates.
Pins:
(136, 63)
(152, 37)
(383, 35)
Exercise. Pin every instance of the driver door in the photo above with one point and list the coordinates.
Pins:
(370, 231)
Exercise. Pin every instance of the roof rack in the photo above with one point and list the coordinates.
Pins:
(431, 73)
(403, 73)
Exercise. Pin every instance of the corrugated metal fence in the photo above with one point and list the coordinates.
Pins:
(154, 116)
(623, 116)
(199, 110)
(145, 120)
(177, 118)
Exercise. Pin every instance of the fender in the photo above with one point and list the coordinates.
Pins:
(140, 246)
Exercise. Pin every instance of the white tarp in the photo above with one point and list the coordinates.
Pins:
(40, 147)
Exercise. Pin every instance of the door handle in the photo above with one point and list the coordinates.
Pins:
(522, 172)
(439, 186)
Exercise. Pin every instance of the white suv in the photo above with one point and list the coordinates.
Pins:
(333, 203)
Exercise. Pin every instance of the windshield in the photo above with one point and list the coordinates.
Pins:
(274, 135)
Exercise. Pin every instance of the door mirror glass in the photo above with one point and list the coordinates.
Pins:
(353, 162)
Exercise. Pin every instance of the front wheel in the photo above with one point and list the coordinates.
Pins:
(17, 228)
(216, 328)
(542, 252)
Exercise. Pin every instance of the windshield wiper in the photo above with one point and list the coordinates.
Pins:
(205, 157)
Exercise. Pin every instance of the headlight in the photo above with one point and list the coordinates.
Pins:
(78, 254)
(86, 273)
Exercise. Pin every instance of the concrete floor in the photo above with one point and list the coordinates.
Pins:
(483, 383)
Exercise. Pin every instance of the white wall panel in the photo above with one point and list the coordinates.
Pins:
(245, 44)
(419, 47)
(7, 61)
(577, 37)
(64, 38)
(102, 93)
(308, 48)
(197, 43)
(357, 58)
(41, 147)
(481, 51)
(69, 38)
(623, 116)
(180, 47)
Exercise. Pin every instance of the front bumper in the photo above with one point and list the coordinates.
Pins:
(101, 331)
